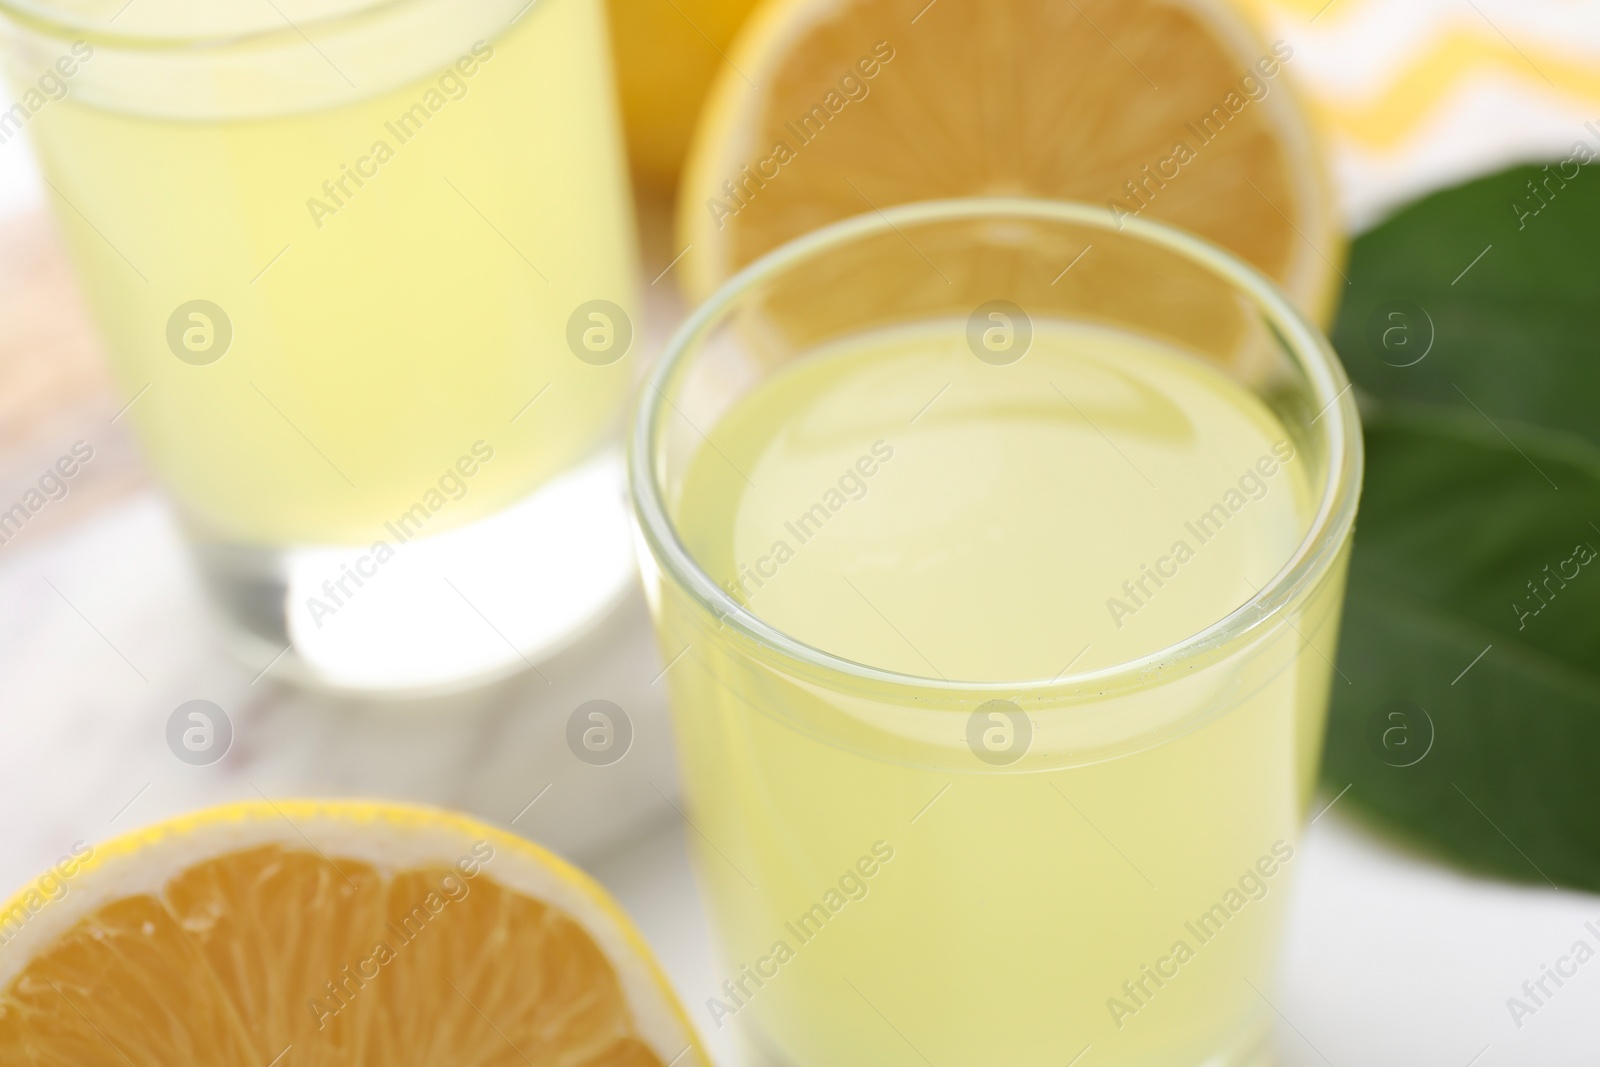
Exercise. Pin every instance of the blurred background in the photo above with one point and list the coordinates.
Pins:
(1393, 957)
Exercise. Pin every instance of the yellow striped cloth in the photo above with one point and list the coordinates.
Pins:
(1415, 93)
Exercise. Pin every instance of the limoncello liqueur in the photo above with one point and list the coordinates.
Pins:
(395, 269)
(896, 502)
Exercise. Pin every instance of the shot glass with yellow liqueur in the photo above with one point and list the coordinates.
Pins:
(364, 272)
(997, 549)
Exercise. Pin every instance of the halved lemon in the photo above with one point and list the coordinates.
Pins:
(1167, 109)
(309, 933)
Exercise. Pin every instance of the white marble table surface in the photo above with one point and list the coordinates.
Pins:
(1391, 960)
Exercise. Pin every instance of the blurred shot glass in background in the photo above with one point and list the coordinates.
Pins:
(365, 273)
(998, 548)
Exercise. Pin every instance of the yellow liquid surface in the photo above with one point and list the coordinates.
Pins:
(398, 269)
(1026, 494)
(978, 523)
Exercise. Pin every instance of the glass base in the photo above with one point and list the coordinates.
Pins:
(437, 614)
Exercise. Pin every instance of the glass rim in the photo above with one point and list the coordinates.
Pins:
(55, 20)
(1325, 538)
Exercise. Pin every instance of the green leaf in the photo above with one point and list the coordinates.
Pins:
(1498, 286)
(1471, 718)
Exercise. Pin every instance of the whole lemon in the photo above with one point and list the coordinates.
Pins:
(667, 52)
